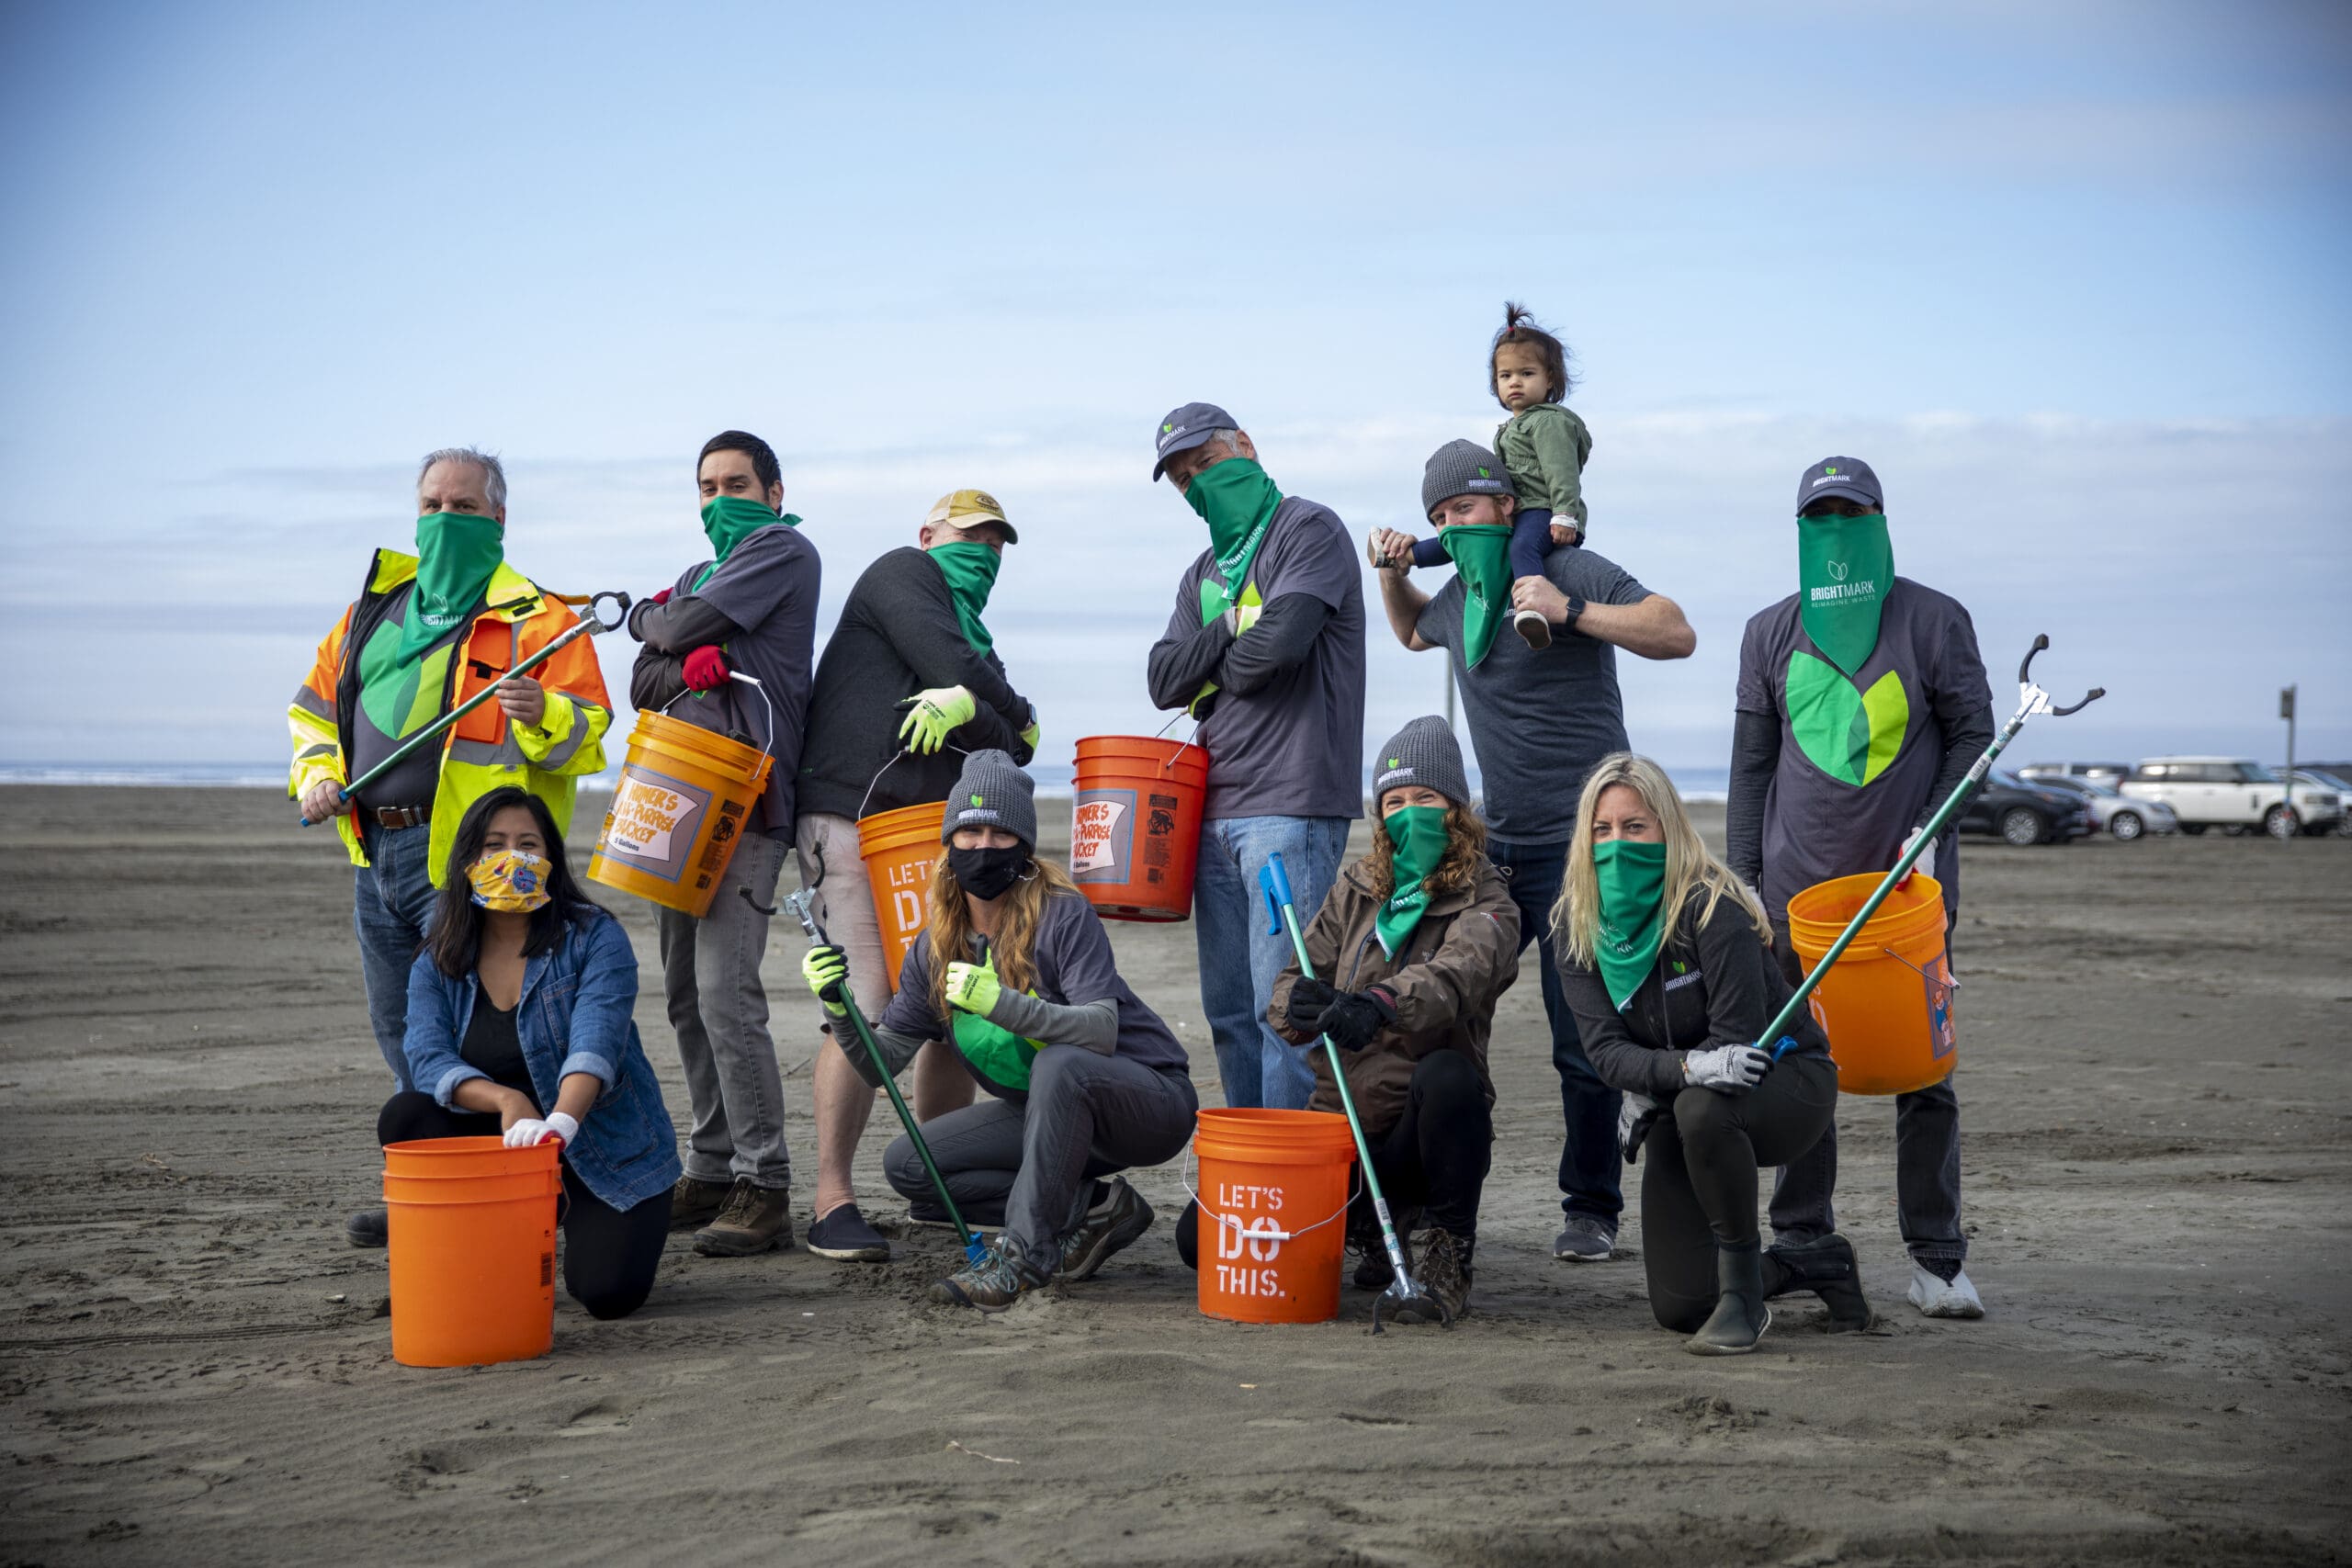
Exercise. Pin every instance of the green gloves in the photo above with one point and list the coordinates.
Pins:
(827, 971)
(1029, 735)
(936, 715)
(1241, 617)
(973, 987)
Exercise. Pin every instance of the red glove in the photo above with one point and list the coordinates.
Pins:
(706, 668)
(661, 598)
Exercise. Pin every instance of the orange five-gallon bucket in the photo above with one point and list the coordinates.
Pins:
(1886, 1003)
(473, 1250)
(684, 796)
(1274, 1200)
(1136, 825)
(899, 848)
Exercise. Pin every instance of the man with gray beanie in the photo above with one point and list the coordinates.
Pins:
(1083, 1079)
(1265, 646)
(1539, 719)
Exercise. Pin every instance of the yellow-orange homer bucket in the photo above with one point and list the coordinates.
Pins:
(684, 796)
(473, 1250)
(1886, 1003)
(1274, 1200)
(899, 848)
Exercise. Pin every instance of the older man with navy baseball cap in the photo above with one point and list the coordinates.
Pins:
(1265, 648)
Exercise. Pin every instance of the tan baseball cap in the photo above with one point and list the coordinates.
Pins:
(963, 508)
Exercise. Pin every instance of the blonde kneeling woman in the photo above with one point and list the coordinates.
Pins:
(1666, 962)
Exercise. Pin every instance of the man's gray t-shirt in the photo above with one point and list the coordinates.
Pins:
(1294, 748)
(1539, 718)
(767, 586)
(1859, 758)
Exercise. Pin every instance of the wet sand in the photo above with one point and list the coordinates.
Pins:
(193, 1370)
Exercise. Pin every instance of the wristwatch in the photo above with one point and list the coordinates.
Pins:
(1575, 608)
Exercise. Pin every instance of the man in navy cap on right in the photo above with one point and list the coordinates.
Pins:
(1862, 703)
(1266, 648)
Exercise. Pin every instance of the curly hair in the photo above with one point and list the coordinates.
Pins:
(1466, 846)
(1520, 330)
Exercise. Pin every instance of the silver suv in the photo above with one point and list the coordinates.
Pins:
(2237, 793)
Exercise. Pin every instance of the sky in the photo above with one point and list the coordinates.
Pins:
(2071, 276)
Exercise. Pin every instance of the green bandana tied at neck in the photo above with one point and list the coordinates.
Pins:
(1632, 909)
(1481, 553)
(1844, 567)
(1418, 833)
(455, 553)
(971, 568)
(728, 520)
(1238, 501)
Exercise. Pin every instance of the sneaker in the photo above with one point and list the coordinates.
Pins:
(1444, 1275)
(1586, 1238)
(1113, 1225)
(1532, 625)
(1936, 1296)
(845, 1237)
(754, 1219)
(695, 1204)
(999, 1279)
(1373, 1270)
(368, 1227)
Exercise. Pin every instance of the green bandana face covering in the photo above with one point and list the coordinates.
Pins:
(1481, 553)
(1236, 501)
(455, 553)
(1844, 567)
(728, 520)
(1632, 910)
(971, 568)
(1418, 833)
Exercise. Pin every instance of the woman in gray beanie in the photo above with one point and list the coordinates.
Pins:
(1083, 1079)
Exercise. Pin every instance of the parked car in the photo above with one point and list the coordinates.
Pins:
(2336, 779)
(2111, 771)
(2237, 793)
(2022, 813)
(2126, 819)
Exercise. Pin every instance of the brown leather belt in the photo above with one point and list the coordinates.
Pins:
(402, 815)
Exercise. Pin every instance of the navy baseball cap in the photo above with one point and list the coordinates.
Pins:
(1186, 428)
(1849, 479)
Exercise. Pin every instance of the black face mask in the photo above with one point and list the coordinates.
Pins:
(987, 874)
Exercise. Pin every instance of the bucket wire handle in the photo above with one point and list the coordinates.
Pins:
(754, 682)
(1250, 1232)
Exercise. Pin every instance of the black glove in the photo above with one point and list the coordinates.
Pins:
(1308, 998)
(1354, 1017)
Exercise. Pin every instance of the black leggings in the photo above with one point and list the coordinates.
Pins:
(609, 1255)
(1699, 1169)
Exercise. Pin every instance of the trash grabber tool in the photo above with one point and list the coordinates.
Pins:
(589, 624)
(1274, 880)
(803, 906)
(2031, 700)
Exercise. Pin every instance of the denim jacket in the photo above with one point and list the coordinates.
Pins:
(574, 1016)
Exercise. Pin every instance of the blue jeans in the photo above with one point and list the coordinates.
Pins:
(392, 900)
(1240, 958)
(1588, 1159)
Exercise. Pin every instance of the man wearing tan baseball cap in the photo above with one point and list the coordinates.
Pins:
(910, 682)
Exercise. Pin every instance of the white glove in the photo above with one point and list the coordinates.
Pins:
(1727, 1070)
(1927, 861)
(1634, 1114)
(531, 1130)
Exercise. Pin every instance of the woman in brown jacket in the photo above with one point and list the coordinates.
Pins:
(1411, 949)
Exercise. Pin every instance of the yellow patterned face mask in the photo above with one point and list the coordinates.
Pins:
(511, 881)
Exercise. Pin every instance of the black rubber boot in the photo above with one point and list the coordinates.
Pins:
(1827, 1268)
(1740, 1316)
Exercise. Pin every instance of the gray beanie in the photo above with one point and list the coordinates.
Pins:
(1424, 752)
(992, 792)
(1462, 467)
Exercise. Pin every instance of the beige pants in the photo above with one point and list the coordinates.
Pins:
(827, 848)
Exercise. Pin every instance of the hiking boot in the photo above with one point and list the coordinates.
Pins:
(845, 1237)
(693, 1203)
(1444, 1275)
(1373, 1270)
(1532, 625)
(1113, 1225)
(1740, 1316)
(1936, 1296)
(754, 1219)
(1586, 1238)
(994, 1284)
(1827, 1268)
(368, 1227)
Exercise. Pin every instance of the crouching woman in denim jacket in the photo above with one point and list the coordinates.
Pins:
(519, 1024)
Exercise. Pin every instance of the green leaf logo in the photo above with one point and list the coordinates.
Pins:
(977, 800)
(1829, 469)
(1396, 761)
(1167, 429)
(1852, 736)
(1485, 475)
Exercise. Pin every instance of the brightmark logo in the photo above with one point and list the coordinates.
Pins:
(971, 814)
(1170, 432)
(1833, 593)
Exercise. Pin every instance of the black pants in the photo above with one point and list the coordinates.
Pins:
(609, 1255)
(1699, 1167)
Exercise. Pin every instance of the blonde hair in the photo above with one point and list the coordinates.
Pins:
(1015, 944)
(1457, 869)
(1576, 918)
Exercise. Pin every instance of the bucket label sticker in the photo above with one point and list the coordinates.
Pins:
(1938, 981)
(1103, 834)
(1250, 1236)
(651, 824)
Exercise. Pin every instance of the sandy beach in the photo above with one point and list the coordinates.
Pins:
(194, 1368)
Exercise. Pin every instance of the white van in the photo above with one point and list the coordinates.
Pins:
(2231, 792)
